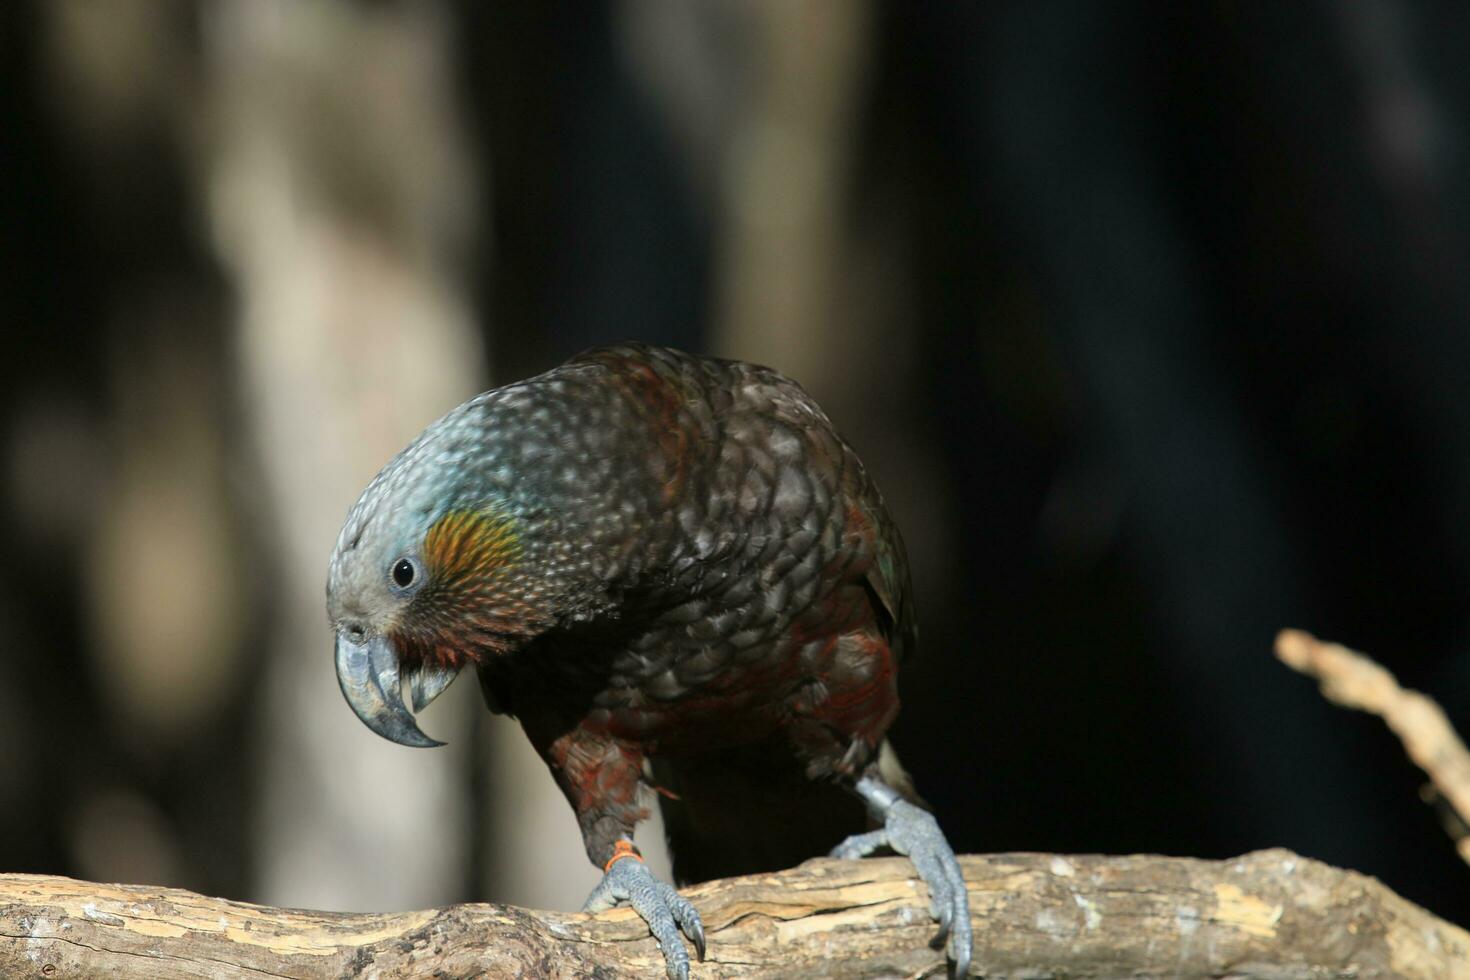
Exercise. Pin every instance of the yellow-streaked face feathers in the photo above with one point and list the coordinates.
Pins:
(468, 545)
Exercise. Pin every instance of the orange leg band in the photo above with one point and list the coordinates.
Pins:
(622, 849)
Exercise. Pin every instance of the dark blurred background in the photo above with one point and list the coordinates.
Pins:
(1153, 321)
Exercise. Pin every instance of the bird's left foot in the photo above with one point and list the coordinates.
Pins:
(914, 832)
(627, 879)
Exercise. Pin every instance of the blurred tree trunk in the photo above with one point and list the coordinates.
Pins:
(769, 103)
(337, 192)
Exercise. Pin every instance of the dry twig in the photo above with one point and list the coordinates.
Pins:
(1353, 680)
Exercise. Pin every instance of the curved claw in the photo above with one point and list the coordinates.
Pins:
(368, 675)
(688, 918)
(664, 909)
(914, 832)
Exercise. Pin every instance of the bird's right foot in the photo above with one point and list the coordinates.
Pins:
(627, 879)
(914, 832)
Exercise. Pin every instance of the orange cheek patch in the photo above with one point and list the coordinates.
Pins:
(465, 545)
(465, 605)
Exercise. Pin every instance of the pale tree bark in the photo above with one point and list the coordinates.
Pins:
(337, 195)
(1270, 914)
(339, 188)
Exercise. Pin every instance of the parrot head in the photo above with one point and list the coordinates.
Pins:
(450, 557)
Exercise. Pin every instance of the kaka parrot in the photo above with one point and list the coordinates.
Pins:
(679, 577)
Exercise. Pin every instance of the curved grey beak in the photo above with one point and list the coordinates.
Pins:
(370, 681)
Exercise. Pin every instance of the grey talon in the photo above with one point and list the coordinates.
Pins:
(664, 909)
(698, 937)
(688, 918)
(912, 831)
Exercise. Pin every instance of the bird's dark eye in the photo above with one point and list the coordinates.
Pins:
(404, 572)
